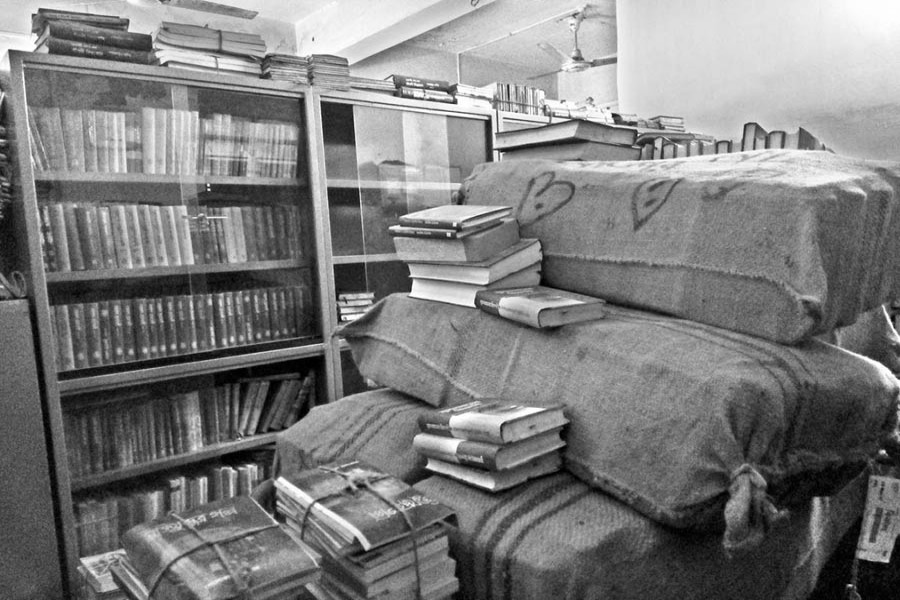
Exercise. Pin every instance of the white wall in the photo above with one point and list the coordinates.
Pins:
(829, 65)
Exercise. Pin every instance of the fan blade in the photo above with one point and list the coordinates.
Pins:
(605, 60)
(553, 50)
(212, 7)
(544, 74)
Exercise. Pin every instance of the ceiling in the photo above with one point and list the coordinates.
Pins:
(505, 31)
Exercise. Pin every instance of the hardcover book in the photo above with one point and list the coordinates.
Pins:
(360, 504)
(541, 306)
(475, 247)
(484, 455)
(562, 132)
(464, 294)
(514, 258)
(493, 421)
(454, 216)
(173, 555)
(575, 151)
(495, 481)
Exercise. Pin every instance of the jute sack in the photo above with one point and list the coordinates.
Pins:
(781, 244)
(692, 425)
(556, 538)
(376, 426)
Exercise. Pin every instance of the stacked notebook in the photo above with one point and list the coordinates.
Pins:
(491, 444)
(209, 50)
(351, 514)
(453, 251)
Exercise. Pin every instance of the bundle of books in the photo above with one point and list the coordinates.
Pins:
(285, 67)
(453, 251)
(227, 549)
(351, 305)
(667, 122)
(89, 35)
(96, 579)
(209, 50)
(351, 514)
(491, 444)
(329, 71)
(576, 139)
(421, 88)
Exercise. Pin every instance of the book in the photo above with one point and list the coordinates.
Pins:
(463, 294)
(754, 137)
(73, 30)
(802, 139)
(478, 246)
(775, 138)
(95, 569)
(485, 455)
(423, 83)
(541, 306)
(454, 216)
(439, 232)
(561, 132)
(364, 517)
(576, 151)
(520, 255)
(43, 16)
(493, 421)
(52, 45)
(424, 94)
(271, 561)
(495, 481)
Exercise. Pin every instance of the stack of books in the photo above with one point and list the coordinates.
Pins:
(453, 251)
(351, 514)
(181, 555)
(208, 50)
(421, 88)
(472, 96)
(328, 71)
(96, 579)
(351, 305)
(667, 123)
(285, 67)
(576, 139)
(491, 444)
(89, 35)
(372, 85)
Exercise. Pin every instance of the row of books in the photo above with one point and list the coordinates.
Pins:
(88, 236)
(491, 444)
(5, 165)
(105, 436)
(754, 137)
(94, 334)
(352, 305)
(89, 35)
(351, 514)
(205, 49)
(163, 141)
(101, 519)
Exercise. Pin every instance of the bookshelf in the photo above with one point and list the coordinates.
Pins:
(384, 156)
(172, 242)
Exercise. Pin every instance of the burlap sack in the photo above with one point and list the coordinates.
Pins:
(690, 424)
(376, 426)
(557, 538)
(872, 335)
(779, 244)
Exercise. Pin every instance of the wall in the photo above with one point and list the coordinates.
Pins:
(828, 65)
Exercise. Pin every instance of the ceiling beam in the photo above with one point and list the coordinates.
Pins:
(358, 29)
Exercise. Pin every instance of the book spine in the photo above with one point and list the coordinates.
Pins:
(171, 325)
(90, 50)
(99, 35)
(420, 83)
(107, 240)
(79, 335)
(73, 236)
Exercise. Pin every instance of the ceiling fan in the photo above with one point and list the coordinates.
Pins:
(574, 62)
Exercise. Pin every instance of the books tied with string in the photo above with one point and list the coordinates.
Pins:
(378, 536)
(206, 49)
(219, 551)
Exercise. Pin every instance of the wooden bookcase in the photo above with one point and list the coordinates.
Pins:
(281, 192)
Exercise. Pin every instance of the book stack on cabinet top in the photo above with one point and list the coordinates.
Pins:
(89, 35)
(453, 251)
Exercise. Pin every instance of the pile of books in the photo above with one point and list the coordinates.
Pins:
(89, 35)
(182, 555)
(351, 305)
(421, 88)
(285, 67)
(372, 85)
(667, 123)
(328, 71)
(351, 514)
(96, 579)
(208, 50)
(491, 444)
(472, 96)
(453, 251)
(575, 139)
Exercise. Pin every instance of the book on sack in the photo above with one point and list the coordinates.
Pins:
(520, 255)
(562, 132)
(493, 420)
(477, 246)
(485, 455)
(575, 151)
(495, 481)
(463, 294)
(540, 306)
(454, 216)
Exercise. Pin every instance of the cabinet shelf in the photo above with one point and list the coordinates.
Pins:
(107, 381)
(146, 468)
(376, 184)
(94, 178)
(352, 259)
(157, 272)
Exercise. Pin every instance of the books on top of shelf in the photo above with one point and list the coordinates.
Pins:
(42, 16)
(562, 132)
(272, 563)
(422, 83)
(541, 306)
(495, 481)
(463, 294)
(73, 30)
(454, 216)
(354, 507)
(207, 39)
(479, 245)
(493, 420)
(514, 258)
(486, 455)
(575, 151)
